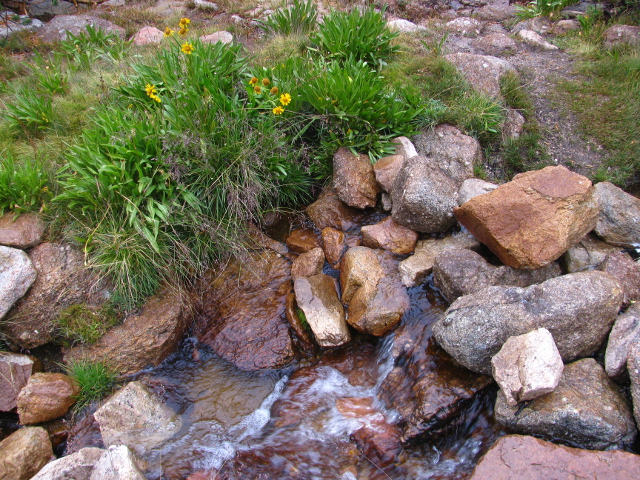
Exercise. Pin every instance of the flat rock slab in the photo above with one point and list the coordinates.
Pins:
(483, 72)
(242, 314)
(56, 30)
(518, 457)
(586, 409)
(21, 231)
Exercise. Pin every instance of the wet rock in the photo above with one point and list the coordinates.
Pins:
(589, 299)
(587, 253)
(117, 463)
(535, 40)
(532, 220)
(21, 231)
(624, 333)
(78, 466)
(317, 296)
(483, 72)
(619, 219)
(527, 366)
(222, 36)
(513, 124)
(633, 367)
(462, 272)
(84, 433)
(243, 312)
(388, 235)
(145, 338)
(15, 370)
(424, 196)
(417, 267)
(354, 180)
(617, 35)
(136, 417)
(455, 153)
(147, 36)
(403, 26)
(334, 245)
(472, 187)
(586, 409)
(56, 30)
(24, 453)
(465, 26)
(45, 397)
(627, 272)
(380, 442)
(372, 290)
(308, 264)
(386, 170)
(16, 277)
(62, 280)
(329, 211)
(496, 44)
(302, 331)
(563, 27)
(263, 241)
(498, 12)
(529, 458)
(303, 240)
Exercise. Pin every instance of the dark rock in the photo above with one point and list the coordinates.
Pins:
(619, 219)
(45, 10)
(45, 397)
(24, 453)
(302, 332)
(21, 231)
(56, 30)
(354, 180)
(627, 272)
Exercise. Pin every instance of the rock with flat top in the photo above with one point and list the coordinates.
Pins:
(21, 231)
(483, 72)
(303, 240)
(465, 26)
(495, 44)
(388, 235)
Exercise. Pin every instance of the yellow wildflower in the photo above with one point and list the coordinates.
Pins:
(150, 89)
(285, 99)
(253, 81)
(274, 91)
(168, 32)
(278, 110)
(183, 31)
(266, 82)
(257, 89)
(187, 48)
(156, 98)
(184, 22)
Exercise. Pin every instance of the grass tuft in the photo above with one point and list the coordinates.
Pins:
(96, 381)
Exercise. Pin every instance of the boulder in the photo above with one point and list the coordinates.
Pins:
(563, 27)
(424, 196)
(77, 466)
(532, 220)
(354, 179)
(528, 458)
(588, 299)
(62, 280)
(496, 44)
(462, 272)
(14, 24)
(24, 453)
(303, 240)
(417, 267)
(145, 338)
(334, 244)
(117, 463)
(308, 264)
(618, 35)
(56, 30)
(45, 10)
(317, 297)
(619, 219)
(624, 333)
(535, 40)
(627, 272)
(242, 311)
(483, 72)
(15, 370)
(388, 235)
(372, 291)
(136, 417)
(329, 211)
(147, 36)
(404, 26)
(455, 153)
(587, 253)
(472, 187)
(21, 231)
(495, 12)
(222, 37)
(633, 367)
(45, 397)
(16, 277)
(527, 366)
(386, 170)
(465, 26)
(585, 409)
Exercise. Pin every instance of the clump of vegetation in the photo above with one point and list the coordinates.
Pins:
(299, 18)
(83, 324)
(95, 379)
(540, 8)
(25, 186)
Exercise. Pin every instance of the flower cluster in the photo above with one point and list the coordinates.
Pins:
(183, 27)
(151, 92)
(284, 100)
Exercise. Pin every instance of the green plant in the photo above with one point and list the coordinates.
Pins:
(29, 112)
(84, 49)
(299, 18)
(95, 379)
(83, 324)
(540, 8)
(356, 35)
(49, 75)
(24, 186)
(436, 47)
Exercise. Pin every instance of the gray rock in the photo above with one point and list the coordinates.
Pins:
(625, 331)
(403, 26)
(354, 179)
(465, 26)
(619, 219)
(483, 72)
(473, 187)
(495, 44)
(24, 453)
(586, 409)
(205, 5)
(633, 367)
(565, 26)
(474, 327)
(45, 10)
(56, 30)
(21, 231)
(538, 24)
(462, 272)
(588, 253)
(317, 297)
(222, 36)
(15, 370)
(16, 277)
(617, 35)
(77, 466)
(535, 40)
(527, 366)
(136, 417)
(627, 271)
(405, 147)
(497, 12)
(513, 124)
(117, 463)
(424, 196)
(23, 23)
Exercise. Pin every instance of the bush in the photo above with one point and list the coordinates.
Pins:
(29, 113)
(24, 187)
(96, 381)
(84, 49)
(300, 18)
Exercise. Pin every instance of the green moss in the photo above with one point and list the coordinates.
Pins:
(83, 324)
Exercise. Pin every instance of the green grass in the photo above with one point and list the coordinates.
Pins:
(83, 324)
(96, 381)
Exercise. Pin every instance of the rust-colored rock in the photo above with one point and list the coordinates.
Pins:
(15, 370)
(354, 180)
(386, 170)
(519, 457)
(24, 453)
(334, 245)
(389, 235)
(329, 211)
(308, 264)
(45, 397)
(242, 314)
(532, 220)
(21, 231)
(143, 339)
(627, 272)
(303, 240)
